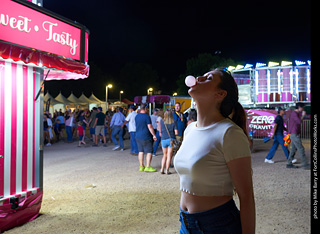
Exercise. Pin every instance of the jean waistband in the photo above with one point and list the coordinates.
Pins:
(227, 205)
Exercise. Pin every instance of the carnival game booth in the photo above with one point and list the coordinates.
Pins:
(264, 87)
(152, 99)
(273, 83)
(35, 45)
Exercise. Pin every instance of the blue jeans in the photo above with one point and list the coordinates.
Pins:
(156, 143)
(277, 139)
(69, 133)
(222, 219)
(133, 142)
(117, 130)
(295, 145)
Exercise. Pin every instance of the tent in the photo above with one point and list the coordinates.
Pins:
(54, 104)
(118, 104)
(68, 104)
(84, 99)
(73, 99)
(128, 102)
(94, 99)
(90, 103)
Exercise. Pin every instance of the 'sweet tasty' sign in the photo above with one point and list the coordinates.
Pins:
(27, 27)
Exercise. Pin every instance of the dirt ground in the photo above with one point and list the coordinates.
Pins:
(97, 190)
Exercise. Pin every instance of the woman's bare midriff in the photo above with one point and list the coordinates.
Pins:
(194, 204)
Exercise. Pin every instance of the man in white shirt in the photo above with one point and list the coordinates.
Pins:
(132, 130)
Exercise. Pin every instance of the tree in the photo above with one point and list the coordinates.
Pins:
(199, 66)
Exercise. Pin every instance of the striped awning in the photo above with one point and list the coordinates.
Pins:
(61, 68)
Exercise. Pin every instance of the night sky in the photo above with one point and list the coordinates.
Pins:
(165, 34)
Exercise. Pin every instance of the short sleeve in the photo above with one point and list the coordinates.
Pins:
(175, 126)
(148, 119)
(235, 144)
(277, 120)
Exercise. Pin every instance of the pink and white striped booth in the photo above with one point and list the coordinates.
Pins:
(35, 45)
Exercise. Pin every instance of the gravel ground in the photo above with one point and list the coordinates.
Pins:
(97, 190)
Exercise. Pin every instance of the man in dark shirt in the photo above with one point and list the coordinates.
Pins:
(294, 130)
(181, 120)
(277, 136)
(144, 135)
(99, 125)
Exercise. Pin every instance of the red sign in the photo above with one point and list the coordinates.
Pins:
(27, 27)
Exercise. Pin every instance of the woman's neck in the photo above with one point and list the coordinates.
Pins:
(207, 115)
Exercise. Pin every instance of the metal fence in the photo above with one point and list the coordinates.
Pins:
(306, 129)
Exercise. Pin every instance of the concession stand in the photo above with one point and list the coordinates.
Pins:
(35, 45)
(152, 99)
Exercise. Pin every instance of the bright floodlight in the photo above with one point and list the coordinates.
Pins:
(299, 63)
(260, 65)
(230, 68)
(248, 66)
(273, 64)
(238, 67)
(285, 63)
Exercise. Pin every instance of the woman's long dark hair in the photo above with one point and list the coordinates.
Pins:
(230, 104)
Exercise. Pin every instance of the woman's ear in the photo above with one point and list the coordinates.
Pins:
(221, 94)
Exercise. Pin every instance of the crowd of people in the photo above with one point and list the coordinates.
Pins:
(146, 132)
(160, 128)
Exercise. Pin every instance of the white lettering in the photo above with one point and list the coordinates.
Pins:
(23, 23)
(4, 19)
(262, 119)
(48, 29)
(63, 39)
(260, 127)
(20, 24)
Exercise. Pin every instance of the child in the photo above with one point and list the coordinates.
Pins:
(80, 133)
(57, 129)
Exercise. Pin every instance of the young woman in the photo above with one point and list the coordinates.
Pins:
(214, 160)
(168, 130)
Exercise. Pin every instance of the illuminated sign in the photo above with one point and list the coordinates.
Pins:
(28, 27)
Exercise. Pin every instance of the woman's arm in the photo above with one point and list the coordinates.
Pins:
(241, 173)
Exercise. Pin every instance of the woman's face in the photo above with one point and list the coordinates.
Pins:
(207, 88)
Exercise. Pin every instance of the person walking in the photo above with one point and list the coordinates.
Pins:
(192, 116)
(294, 130)
(69, 122)
(62, 125)
(82, 118)
(46, 127)
(181, 120)
(132, 130)
(144, 135)
(154, 123)
(214, 160)
(81, 134)
(117, 130)
(277, 136)
(99, 125)
(92, 120)
(168, 132)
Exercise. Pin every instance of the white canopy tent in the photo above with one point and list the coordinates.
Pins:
(72, 102)
(54, 104)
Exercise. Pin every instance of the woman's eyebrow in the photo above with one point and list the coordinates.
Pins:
(209, 73)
